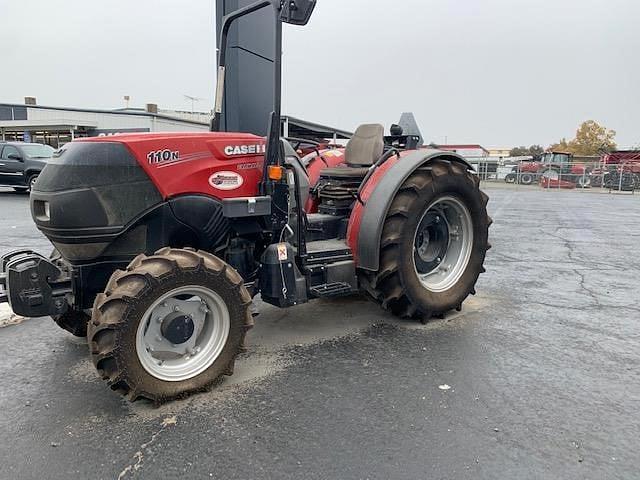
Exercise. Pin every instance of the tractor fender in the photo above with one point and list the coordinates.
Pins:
(366, 223)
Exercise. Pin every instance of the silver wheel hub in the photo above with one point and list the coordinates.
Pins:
(443, 243)
(182, 333)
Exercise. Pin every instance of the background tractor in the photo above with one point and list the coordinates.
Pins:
(557, 169)
(163, 240)
(551, 169)
(619, 170)
(524, 173)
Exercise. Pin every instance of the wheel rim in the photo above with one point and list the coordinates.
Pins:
(442, 244)
(182, 333)
(32, 181)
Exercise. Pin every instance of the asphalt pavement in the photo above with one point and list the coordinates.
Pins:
(537, 377)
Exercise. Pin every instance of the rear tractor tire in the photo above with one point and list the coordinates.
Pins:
(433, 245)
(526, 179)
(170, 325)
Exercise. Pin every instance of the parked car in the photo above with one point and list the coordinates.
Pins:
(21, 163)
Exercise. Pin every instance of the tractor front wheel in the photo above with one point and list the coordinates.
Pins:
(171, 324)
(433, 244)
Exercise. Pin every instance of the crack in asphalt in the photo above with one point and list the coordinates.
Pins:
(139, 455)
(571, 251)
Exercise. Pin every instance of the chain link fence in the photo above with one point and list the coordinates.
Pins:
(589, 176)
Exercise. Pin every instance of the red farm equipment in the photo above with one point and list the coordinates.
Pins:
(552, 169)
(619, 170)
(526, 172)
(558, 170)
(163, 240)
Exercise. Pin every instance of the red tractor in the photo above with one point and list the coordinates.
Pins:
(162, 240)
(558, 170)
(619, 170)
(552, 169)
(524, 173)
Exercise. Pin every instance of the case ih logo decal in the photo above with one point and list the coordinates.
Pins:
(163, 156)
(226, 180)
(234, 150)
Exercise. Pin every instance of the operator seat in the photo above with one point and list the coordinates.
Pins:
(363, 150)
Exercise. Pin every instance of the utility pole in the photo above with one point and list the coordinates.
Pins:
(193, 101)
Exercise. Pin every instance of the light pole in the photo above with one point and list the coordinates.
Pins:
(193, 101)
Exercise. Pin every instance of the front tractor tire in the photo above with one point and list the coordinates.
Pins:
(170, 325)
(433, 243)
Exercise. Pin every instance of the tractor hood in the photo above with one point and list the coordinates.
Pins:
(87, 194)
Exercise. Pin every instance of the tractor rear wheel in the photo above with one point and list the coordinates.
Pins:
(433, 244)
(171, 324)
(526, 178)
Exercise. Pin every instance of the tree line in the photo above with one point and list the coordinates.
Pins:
(591, 139)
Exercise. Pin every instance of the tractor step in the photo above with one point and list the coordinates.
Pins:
(328, 251)
(337, 289)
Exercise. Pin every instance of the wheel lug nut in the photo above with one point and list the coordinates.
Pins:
(176, 309)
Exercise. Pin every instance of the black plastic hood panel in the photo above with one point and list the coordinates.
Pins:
(90, 192)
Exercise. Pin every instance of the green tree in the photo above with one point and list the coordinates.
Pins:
(591, 139)
(536, 150)
(519, 152)
(533, 151)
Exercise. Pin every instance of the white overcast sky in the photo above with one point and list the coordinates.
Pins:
(495, 72)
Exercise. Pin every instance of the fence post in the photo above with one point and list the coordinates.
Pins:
(560, 175)
(620, 179)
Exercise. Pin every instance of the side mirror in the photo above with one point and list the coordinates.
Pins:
(15, 156)
(297, 12)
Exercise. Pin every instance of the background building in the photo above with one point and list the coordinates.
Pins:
(466, 150)
(500, 152)
(56, 126)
